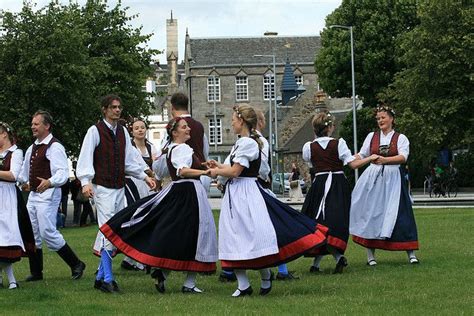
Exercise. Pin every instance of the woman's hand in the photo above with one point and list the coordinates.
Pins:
(380, 160)
(212, 164)
(213, 172)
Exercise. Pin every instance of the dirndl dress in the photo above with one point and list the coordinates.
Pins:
(16, 234)
(381, 210)
(256, 230)
(173, 229)
(329, 197)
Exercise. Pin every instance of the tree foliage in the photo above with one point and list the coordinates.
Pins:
(376, 25)
(63, 58)
(434, 94)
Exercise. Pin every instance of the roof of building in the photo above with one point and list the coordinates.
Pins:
(241, 50)
(288, 83)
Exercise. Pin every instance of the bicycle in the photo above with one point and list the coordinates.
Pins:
(452, 187)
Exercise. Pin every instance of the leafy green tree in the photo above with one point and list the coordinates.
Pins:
(63, 58)
(434, 92)
(376, 25)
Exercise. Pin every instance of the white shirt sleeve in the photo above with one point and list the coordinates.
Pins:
(307, 152)
(182, 157)
(160, 166)
(16, 162)
(246, 150)
(264, 170)
(403, 146)
(205, 147)
(223, 179)
(58, 164)
(132, 166)
(24, 175)
(365, 150)
(139, 158)
(85, 163)
(345, 154)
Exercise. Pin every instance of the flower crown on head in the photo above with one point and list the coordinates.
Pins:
(236, 110)
(385, 108)
(6, 127)
(172, 126)
(328, 121)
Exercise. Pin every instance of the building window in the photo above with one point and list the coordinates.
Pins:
(213, 89)
(241, 88)
(268, 87)
(215, 132)
(299, 80)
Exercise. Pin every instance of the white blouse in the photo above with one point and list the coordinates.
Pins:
(16, 160)
(245, 150)
(403, 144)
(344, 152)
(181, 157)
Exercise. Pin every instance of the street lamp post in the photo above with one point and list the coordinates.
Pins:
(270, 117)
(354, 117)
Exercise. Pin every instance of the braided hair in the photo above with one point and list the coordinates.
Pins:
(249, 116)
(5, 127)
(321, 123)
(170, 127)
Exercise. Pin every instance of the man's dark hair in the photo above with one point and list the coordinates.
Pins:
(47, 118)
(108, 99)
(179, 101)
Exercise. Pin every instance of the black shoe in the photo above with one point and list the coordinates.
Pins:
(109, 287)
(13, 286)
(263, 291)
(127, 266)
(286, 277)
(190, 290)
(78, 270)
(227, 277)
(158, 275)
(33, 278)
(413, 260)
(341, 263)
(98, 284)
(372, 263)
(314, 269)
(247, 292)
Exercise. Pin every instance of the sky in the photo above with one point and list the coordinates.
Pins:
(218, 18)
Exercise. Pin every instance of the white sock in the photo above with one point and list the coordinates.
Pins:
(242, 280)
(337, 255)
(370, 254)
(411, 254)
(190, 281)
(265, 275)
(317, 261)
(9, 272)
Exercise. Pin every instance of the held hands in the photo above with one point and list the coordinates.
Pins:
(211, 164)
(150, 182)
(87, 191)
(379, 160)
(25, 187)
(44, 185)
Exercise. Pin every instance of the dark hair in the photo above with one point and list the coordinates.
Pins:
(5, 127)
(170, 127)
(47, 118)
(321, 123)
(179, 101)
(106, 101)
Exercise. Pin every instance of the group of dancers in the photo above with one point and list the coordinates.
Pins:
(174, 230)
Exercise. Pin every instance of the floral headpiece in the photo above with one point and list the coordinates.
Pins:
(236, 110)
(6, 127)
(329, 119)
(171, 127)
(384, 108)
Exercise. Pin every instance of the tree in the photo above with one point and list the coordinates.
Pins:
(376, 25)
(63, 58)
(434, 92)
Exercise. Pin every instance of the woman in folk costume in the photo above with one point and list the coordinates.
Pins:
(16, 235)
(256, 230)
(381, 211)
(329, 198)
(173, 229)
(136, 189)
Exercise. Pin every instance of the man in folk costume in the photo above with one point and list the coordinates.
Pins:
(198, 141)
(44, 171)
(107, 155)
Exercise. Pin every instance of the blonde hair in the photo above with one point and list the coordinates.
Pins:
(321, 123)
(249, 116)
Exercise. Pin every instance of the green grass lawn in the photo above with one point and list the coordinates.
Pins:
(442, 284)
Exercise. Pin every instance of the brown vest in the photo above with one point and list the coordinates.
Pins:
(6, 164)
(324, 160)
(196, 142)
(109, 157)
(172, 170)
(254, 166)
(375, 145)
(39, 164)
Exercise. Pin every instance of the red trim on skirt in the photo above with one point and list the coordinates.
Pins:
(386, 244)
(164, 263)
(285, 254)
(11, 253)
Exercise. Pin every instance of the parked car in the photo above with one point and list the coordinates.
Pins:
(277, 187)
